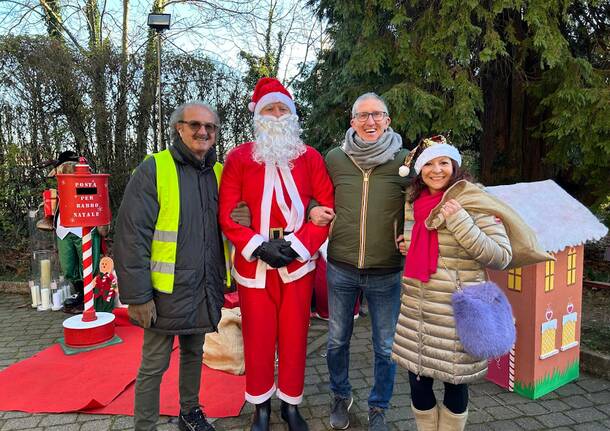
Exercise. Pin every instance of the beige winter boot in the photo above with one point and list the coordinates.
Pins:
(449, 421)
(426, 420)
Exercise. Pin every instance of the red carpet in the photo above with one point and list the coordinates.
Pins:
(121, 318)
(101, 381)
(53, 382)
(222, 394)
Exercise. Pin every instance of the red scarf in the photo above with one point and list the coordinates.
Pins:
(422, 256)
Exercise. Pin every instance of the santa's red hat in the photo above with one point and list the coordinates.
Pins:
(270, 90)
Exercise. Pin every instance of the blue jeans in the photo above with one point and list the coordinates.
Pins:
(382, 293)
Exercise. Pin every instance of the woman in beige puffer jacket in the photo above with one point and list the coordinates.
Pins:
(426, 342)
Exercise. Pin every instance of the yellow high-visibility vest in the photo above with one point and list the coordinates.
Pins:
(225, 242)
(165, 237)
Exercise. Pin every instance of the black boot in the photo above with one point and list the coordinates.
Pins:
(260, 422)
(74, 304)
(195, 420)
(290, 415)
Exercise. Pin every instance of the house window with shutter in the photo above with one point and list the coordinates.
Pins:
(571, 266)
(549, 275)
(514, 279)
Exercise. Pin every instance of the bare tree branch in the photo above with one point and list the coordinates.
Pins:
(58, 19)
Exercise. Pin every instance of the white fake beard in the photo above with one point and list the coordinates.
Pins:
(278, 140)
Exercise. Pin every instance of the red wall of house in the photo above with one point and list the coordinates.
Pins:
(558, 299)
(529, 309)
(523, 304)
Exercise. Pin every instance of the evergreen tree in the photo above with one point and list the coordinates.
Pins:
(524, 83)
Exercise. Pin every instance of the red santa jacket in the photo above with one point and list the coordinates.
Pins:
(277, 197)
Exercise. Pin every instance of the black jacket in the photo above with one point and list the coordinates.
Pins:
(194, 306)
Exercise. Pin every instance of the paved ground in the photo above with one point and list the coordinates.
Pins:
(583, 405)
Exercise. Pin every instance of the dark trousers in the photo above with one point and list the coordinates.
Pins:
(422, 395)
(156, 352)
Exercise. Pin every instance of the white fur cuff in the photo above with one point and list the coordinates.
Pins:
(252, 245)
(298, 246)
(273, 98)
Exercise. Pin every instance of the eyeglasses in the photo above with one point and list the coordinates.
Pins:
(377, 116)
(196, 125)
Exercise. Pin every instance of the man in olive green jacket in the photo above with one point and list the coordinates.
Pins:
(362, 252)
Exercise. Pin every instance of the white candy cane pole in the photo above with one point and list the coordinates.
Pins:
(511, 365)
(511, 369)
(89, 311)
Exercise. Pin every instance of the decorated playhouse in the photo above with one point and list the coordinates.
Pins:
(546, 297)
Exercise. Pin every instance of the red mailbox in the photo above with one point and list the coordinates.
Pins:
(83, 197)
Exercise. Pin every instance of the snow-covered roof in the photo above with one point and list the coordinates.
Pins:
(558, 219)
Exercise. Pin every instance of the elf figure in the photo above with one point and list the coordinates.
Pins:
(105, 288)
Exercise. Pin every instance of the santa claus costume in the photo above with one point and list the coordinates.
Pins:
(277, 176)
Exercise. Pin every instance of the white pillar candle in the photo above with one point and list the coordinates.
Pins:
(45, 273)
(46, 299)
(44, 294)
(35, 294)
(57, 300)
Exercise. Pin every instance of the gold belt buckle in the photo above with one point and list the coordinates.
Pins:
(276, 233)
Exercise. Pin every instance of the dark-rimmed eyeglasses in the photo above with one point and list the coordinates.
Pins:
(195, 126)
(363, 116)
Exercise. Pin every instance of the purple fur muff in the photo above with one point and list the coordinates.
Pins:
(484, 320)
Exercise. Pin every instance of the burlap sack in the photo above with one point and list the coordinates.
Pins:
(224, 350)
(523, 241)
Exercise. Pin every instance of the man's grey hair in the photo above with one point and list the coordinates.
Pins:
(367, 96)
(178, 115)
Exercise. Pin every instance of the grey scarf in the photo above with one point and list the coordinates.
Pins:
(370, 154)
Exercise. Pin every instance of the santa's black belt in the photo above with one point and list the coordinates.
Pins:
(278, 232)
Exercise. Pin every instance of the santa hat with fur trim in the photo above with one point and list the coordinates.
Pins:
(426, 150)
(270, 90)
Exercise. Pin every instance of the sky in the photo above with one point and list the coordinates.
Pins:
(221, 29)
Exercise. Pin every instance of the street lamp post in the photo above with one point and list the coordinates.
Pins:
(159, 22)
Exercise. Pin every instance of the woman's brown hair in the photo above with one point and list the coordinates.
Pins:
(417, 184)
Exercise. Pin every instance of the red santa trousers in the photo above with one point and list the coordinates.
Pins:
(276, 315)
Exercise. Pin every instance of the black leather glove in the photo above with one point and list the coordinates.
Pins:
(276, 253)
(287, 250)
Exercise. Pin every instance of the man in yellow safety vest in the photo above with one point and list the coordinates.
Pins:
(170, 260)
